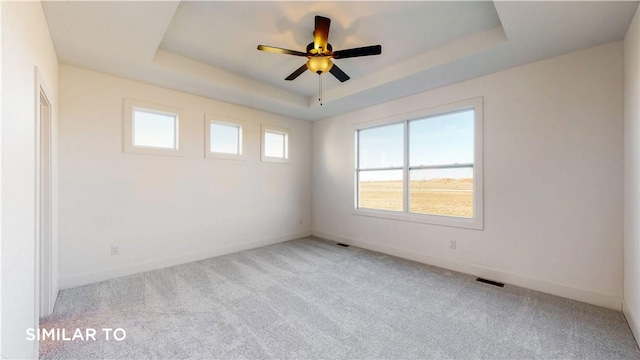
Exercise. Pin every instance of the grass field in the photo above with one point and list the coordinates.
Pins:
(450, 197)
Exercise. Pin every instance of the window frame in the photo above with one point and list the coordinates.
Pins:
(477, 221)
(287, 143)
(130, 105)
(223, 120)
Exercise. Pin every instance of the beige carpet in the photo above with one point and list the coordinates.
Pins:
(311, 299)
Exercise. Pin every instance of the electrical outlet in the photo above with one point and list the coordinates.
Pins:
(299, 221)
(452, 244)
(115, 250)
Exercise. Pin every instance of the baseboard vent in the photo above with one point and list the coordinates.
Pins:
(490, 282)
(343, 245)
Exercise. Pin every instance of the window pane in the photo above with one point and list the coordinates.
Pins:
(381, 146)
(274, 145)
(154, 129)
(442, 139)
(447, 192)
(381, 190)
(225, 138)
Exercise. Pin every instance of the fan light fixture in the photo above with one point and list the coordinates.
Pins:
(320, 53)
(319, 64)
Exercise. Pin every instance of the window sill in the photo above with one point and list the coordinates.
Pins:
(475, 223)
(269, 159)
(147, 150)
(223, 156)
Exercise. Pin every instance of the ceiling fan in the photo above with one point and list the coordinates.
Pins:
(320, 52)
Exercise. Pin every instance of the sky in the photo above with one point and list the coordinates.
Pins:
(158, 130)
(274, 145)
(224, 138)
(438, 140)
(154, 129)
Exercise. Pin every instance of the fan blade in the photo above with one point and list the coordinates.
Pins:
(338, 73)
(297, 73)
(280, 50)
(362, 51)
(321, 33)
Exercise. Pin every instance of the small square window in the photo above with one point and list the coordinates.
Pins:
(223, 138)
(151, 128)
(275, 144)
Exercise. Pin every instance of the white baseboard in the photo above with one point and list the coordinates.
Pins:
(587, 296)
(632, 320)
(94, 277)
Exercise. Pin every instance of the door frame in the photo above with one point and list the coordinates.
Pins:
(44, 282)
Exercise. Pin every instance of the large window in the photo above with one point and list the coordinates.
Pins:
(426, 168)
(151, 128)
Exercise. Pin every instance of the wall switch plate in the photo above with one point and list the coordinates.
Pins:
(115, 250)
(299, 221)
(452, 244)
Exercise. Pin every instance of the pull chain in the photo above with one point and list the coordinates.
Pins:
(320, 89)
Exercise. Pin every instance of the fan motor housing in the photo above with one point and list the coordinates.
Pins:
(311, 51)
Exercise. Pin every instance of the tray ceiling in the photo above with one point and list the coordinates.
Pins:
(209, 48)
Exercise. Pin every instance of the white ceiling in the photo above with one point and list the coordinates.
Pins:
(209, 48)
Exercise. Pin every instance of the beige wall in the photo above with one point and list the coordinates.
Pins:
(165, 210)
(553, 164)
(553, 189)
(26, 44)
(632, 175)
